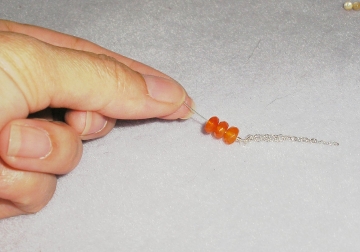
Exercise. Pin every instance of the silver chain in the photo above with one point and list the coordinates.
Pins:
(281, 138)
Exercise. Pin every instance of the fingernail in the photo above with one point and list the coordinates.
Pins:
(29, 142)
(189, 112)
(184, 112)
(94, 123)
(164, 90)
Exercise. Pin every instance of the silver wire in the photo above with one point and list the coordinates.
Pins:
(194, 111)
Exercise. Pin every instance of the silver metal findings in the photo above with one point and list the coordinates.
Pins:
(282, 138)
(259, 137)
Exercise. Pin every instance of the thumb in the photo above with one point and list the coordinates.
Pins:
(35, 75)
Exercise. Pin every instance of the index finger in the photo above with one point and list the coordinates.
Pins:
(72, 42)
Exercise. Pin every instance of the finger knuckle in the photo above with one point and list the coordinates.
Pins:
(38, 193)
(28, 191)
(116, 70)
(110, 67)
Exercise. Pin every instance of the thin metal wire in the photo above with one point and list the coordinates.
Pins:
(194, 111)
(272, 138)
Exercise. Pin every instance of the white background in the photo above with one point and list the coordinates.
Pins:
(266, 66)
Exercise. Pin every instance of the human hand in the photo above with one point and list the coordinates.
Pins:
(40, 69)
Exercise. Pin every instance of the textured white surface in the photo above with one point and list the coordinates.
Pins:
(268, 66)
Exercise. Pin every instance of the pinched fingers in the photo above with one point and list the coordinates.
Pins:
(36, 75)
(95, 88)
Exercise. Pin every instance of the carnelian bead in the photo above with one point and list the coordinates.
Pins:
(221, 129)
(231, 135)
(211, 125)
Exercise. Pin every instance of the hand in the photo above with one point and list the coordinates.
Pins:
(41, 69)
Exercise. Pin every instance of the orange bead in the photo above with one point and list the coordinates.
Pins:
(221, 129)
(211, 125)
(231, 135)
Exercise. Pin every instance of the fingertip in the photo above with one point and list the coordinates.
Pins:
(183, 111)
(40, 145)
(28, 141)
(190, 105)
(76, 119)
(164, 89)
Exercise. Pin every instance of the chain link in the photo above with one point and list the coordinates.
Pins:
(282, 138)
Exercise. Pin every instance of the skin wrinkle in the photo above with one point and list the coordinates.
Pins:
(14, 82)
(25, 203)
(30, 94)
(7, 25)
(48, 82)
(9, 176)
(14, 65)
(53, 67)
(127, 91)
(112, 69)
(59, 69)
(95, 68)
(4, 179)
(79, 44)
(10, 207)
(27, 200)
(48, 36)
(118, 71)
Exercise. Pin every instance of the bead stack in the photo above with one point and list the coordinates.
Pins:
(230, 135)
(221, 130)
(352, 6)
